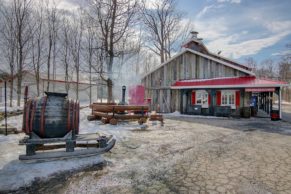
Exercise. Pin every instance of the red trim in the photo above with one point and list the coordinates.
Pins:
(42, 121)
(218, 98)
(24, 117)
(32, 115)
(193, 94)
(237, 99)
(209, 98)
(28, 105)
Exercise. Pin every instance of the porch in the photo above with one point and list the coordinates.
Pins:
(236, 97)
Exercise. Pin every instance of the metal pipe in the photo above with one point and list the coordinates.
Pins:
(123, 95)
(5, 111)
(25, 94)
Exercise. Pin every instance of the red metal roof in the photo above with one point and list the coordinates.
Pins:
(228, 82)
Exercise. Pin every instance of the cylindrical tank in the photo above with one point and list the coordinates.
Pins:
(51, 116)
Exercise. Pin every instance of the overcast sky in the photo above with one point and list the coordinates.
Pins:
(239, 28)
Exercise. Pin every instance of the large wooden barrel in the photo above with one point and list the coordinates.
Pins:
(51, 116)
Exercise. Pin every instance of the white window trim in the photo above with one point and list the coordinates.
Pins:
(196, 98)
(233, 106)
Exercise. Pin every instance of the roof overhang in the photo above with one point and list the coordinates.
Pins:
(250, 82)
(226, 86)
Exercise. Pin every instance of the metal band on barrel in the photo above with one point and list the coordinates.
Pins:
(42, 121)
(28, 105)
(32, 115)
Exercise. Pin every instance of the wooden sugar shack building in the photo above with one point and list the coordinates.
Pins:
(196, 81)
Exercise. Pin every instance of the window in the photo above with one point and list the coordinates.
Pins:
(202, 98)
(228, 98)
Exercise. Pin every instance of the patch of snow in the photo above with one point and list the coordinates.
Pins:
(11, 109)
(178, 114)
(15, 121)
(119, 131)
(283, 102)
(22, 174)
(14, 103)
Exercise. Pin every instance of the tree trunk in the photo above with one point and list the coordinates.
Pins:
(54, 64)
(109, 90)
(11, 91)
(49, 66)
(90, 81)
(19, 73)
(77, 87)
(19, 81)
(109, 80)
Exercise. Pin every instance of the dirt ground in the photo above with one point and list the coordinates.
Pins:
(286, 112)
(195, 155)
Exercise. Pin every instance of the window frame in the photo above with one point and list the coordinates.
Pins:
(203, 97)
(228, 98)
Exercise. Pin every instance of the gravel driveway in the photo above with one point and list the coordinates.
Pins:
(195, 155)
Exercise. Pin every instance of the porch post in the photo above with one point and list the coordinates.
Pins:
(280, 103)
(269, 103)
(264, 102)
(181, 101)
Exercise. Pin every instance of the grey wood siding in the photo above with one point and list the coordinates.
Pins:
(186, 66)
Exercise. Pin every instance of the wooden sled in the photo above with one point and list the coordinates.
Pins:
(86, 144)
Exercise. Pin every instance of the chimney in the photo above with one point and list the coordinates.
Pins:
(194, 34)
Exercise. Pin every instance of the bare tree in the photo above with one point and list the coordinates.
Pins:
(23, 34)
(90, 37)
(267, 69)
(251, 63)
(66, 54)
(8, 43)
(285, 66)
(162, 22)
(76, 47)
(52, 28)
(37, 44)
(113, 19)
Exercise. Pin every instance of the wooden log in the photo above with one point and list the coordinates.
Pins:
(142, 121)
(113, 121)
(92, 117)
(156, 117)
(118, 108)
(120, 116)
(105, 120)
(101, 103)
